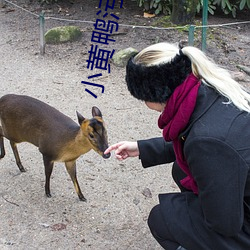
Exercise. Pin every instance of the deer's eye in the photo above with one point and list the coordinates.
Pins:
(91, 136)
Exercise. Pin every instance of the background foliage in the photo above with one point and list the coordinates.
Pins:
(157, 6)
(165, 6)
(227, 6)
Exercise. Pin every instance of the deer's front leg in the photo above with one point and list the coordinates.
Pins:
(71, 168)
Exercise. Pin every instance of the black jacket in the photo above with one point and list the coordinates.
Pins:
(216, 145)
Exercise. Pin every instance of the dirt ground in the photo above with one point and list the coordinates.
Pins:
(119, 195)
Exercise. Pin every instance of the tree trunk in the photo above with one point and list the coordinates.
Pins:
(183, 11)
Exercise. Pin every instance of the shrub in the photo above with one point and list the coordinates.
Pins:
(157, 6)
(165, 6)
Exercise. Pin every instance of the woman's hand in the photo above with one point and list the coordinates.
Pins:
(124, 150)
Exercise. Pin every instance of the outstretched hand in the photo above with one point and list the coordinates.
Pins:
(124, 150)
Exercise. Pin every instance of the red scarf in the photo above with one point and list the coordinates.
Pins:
(175, 118)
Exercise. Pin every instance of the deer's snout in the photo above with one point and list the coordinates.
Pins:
(106, 156)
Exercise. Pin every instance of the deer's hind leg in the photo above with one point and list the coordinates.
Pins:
(71, 168)
(18, 161)
(1, 144)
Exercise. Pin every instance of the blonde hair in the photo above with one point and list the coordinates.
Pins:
(203, 67)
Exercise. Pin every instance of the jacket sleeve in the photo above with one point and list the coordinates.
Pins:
(220, 173)
(155, 151)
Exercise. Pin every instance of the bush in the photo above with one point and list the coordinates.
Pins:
(165, 6)
(157, 6)
(231, 6)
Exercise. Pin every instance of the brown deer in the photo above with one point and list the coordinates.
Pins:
(59, 139)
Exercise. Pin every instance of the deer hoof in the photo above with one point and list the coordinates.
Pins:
(82, 198)
(48, 195)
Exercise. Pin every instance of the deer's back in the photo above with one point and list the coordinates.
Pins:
(24, 118)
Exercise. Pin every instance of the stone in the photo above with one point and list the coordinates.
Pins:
(239, 76)
(121, 58)
(244, 68)
(2, 3)
(63, 34)
(147, 193)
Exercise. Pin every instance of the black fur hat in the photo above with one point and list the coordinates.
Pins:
(156, 83)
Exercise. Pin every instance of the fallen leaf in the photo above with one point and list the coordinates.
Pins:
(147, 193)
(58, 227)
(44, 225)
(147, 15)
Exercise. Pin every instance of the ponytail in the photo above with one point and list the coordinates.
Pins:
(218, 78)
(202, 67)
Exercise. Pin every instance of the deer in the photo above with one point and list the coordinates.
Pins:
(58, 137)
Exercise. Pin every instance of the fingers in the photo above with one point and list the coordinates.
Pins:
(124, 150)
(121, 154)
(113, 147)
(120, 157)
(121, 149)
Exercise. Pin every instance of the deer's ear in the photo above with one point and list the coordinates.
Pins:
(80, 118)
(96, 112)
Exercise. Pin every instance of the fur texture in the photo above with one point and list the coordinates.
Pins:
(156, 83)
